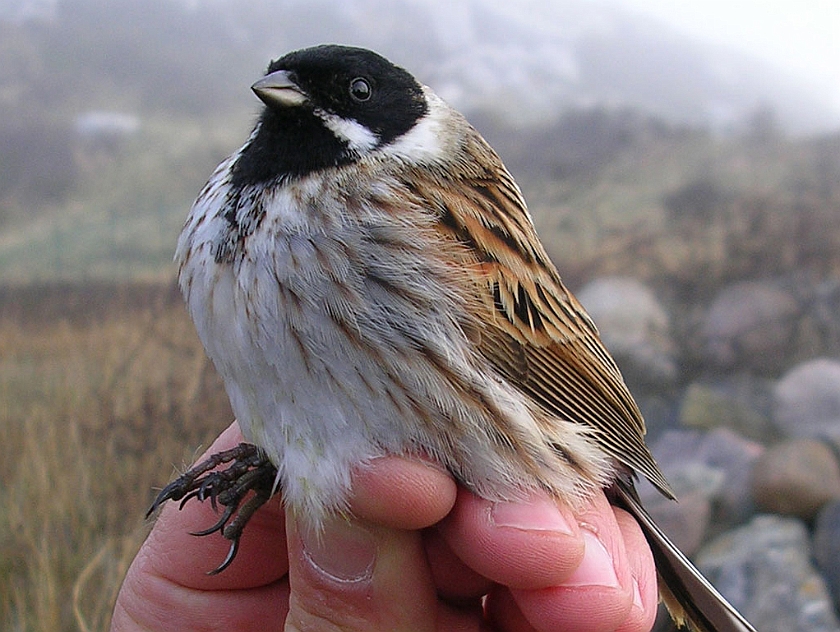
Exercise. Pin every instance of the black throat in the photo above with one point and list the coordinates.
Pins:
(289, 144)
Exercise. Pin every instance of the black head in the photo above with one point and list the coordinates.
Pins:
(326, 106)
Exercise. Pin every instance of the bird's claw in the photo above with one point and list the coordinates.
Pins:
(249, 470)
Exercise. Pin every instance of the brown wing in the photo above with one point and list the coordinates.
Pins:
(536, 333)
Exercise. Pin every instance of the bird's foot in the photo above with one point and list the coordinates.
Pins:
(249, 470)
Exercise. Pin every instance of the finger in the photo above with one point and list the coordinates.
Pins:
(166, 587)
(402, 493)
(598, 595)
(504, 613)
(645, 590)
(531, 544)
(150, 602)
(456, 583)
(355, 575)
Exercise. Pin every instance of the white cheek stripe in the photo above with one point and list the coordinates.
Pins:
(424, 143)
(358, 137)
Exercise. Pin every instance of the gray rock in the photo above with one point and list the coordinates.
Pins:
(750, 325)
(807, 400)
(660, 411)
(734, 456)
(764, 570)
(694, 484)
(635, 328)
(716, 464)
(827, 547)
(796, 477)
(711, 406)
(685, 522)
(678, 453)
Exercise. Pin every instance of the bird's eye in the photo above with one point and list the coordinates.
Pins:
(360, 89)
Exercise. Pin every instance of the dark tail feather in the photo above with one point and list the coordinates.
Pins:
(691, 600)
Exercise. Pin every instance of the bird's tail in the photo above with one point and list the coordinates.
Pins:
(691, 600)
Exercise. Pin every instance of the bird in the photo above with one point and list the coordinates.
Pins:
(366, 277)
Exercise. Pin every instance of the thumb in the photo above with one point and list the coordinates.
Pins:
(353, 575)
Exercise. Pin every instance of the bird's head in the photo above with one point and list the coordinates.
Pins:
(327, 106)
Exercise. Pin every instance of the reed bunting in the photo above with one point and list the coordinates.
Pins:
(366, 277)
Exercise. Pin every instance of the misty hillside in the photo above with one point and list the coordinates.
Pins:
(114, 112)
(526, 59)
(534, 59)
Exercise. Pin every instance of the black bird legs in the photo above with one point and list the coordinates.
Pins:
(249, 470)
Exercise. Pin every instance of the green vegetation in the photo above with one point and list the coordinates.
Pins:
(122, 216)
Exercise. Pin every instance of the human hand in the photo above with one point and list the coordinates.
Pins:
(388, 568)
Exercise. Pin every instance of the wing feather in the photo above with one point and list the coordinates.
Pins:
(533, 330)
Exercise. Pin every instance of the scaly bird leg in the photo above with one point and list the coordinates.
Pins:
(249, 470)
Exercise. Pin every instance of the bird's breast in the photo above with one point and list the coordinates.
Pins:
(339, 328)
(329, 323)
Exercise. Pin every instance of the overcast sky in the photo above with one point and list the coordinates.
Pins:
(799, 36)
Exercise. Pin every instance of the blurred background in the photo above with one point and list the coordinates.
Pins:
(681, 161)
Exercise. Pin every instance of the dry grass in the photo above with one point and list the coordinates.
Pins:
(99, 402)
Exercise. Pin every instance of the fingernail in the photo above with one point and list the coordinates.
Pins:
(539, 514)
(343, 550)
(597, 567)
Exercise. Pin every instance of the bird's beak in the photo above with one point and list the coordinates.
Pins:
(277, 88)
